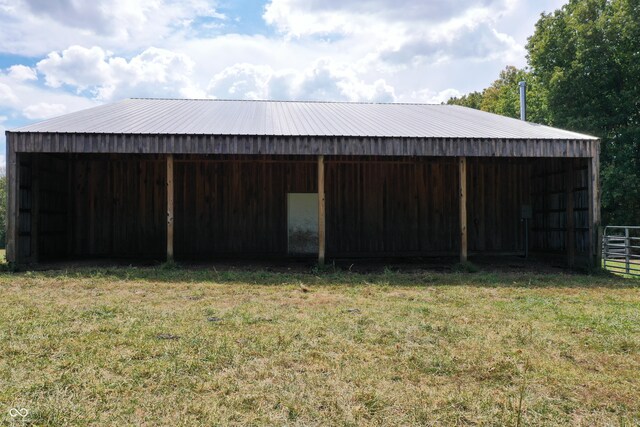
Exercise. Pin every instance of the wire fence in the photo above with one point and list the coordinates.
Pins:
(621, 250)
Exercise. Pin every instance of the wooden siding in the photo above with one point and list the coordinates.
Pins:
(285, 145)
(119, 206)
(25, 208)
(391, 207)
(236, 205)
(114, 205)
(53, 201)
(497, 190)
(549, 193)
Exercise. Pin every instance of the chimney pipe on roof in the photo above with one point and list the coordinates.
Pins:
(523, 100)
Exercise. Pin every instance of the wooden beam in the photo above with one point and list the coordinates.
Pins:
(170, 207)
(597, 230)
(12, 201)
(70, 202)
(321, 211)
(35, 207)
(299, 145)
(594, 207)
(571, 230)
(462, 163)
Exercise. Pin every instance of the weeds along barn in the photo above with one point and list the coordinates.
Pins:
(202, 179)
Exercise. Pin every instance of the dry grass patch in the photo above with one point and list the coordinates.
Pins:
(147, 346)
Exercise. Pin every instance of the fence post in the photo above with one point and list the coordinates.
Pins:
(605, 248)
(627, 249)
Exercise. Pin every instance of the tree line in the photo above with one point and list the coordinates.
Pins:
(583, 75)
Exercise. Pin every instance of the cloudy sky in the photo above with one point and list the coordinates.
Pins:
(58, 56)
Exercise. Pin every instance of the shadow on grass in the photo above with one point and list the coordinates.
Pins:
(305, 273)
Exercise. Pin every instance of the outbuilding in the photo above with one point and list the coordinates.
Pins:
(206, 179)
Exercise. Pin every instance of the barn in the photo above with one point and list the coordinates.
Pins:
(208, 179)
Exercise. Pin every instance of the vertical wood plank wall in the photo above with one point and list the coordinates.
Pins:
(43, 198)
(549, 192)
(462, 203)
(391, 207)
(119, 206)
(25, 205)
(115, 205)
(53, 195)
(497, 189)
(236, 205)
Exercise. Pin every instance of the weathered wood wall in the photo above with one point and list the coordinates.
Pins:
(115, 205)
(54, 221)
(236, 205)
(298, 145)
(549, 191)
(496, 191)
(25, 208)
(43, 199)
(392, 206)
(119, 206)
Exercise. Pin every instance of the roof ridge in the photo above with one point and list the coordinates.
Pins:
(284, 100)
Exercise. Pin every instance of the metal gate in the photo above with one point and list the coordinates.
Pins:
(621, 250)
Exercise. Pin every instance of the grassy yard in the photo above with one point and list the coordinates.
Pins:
(154, 346)
(619, 268)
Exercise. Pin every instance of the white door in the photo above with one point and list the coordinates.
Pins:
(302, 227)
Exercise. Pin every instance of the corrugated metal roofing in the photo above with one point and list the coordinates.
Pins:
(291, 118)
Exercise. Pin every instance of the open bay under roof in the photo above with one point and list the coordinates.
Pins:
(202, 179)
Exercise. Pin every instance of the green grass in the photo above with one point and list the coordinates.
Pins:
(619, 267)
(169, 346)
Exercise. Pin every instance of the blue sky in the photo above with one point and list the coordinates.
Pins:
(59, 56)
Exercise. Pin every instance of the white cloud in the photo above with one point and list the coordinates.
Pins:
(242, 81)
(324, 80)
(7, 96)
(22, 72)
(306, 17)
(76, 66)
(406, 31)
(15, 96)
(155, 72)
(354, 50)
(3, 142)
(430, 97)
(34, 27)
(43, 110)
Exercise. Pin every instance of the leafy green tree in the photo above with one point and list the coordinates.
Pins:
(471, 100)
(588, 55)
(584, 75)
(503, 96)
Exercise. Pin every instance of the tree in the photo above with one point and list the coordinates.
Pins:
(584, 75)
(503, 96)
(587, 55)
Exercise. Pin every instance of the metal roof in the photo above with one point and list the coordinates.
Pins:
(292, 118)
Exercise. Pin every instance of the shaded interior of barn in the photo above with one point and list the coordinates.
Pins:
(76, 206)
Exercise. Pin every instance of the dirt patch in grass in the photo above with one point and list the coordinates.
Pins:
(137, 346)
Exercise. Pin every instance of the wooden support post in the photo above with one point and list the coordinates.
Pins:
(13, 188)
(321, 211)
(462, 162)
(35, 207)
(170, 207)
(595, 249)
(70, 202)
(570, 239)
(627, 250)
(596, 206)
